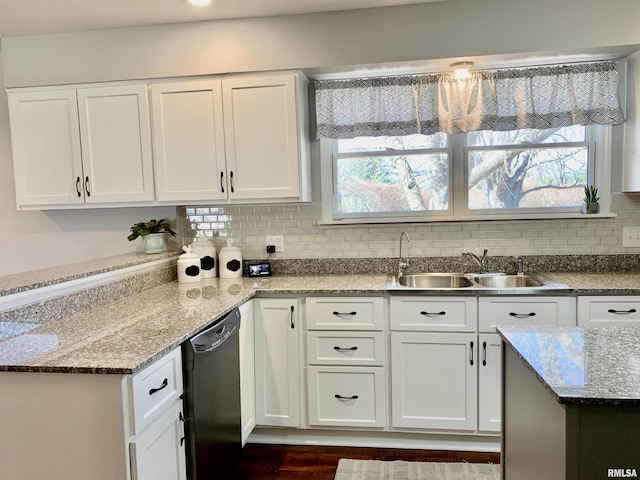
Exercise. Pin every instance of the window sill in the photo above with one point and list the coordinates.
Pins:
(508, 218)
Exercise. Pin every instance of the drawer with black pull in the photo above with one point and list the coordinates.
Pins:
(444, 314)
(530, 310)
(345, 313)
(345, 348)
(154, 388)
(609, 310)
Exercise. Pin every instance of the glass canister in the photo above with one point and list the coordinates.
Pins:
(230, 261)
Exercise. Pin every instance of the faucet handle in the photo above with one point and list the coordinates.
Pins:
(520, 262)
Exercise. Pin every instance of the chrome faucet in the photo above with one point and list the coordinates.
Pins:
(520, 262)
(402, 262)
(483, 263)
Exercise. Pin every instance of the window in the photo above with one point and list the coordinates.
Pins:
(477, 175)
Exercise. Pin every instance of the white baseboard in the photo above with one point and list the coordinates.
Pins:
(290, 436)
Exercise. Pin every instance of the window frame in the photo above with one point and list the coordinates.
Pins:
(598, 141)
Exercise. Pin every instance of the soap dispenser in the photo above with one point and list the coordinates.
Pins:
(206, 251)
(188, 266)
(230, 261)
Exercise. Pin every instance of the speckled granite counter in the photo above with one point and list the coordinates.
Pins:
(124, 336)
(21, 282)
(586, 366)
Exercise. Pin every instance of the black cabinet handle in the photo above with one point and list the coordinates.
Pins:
(292, 323)
(78, 187)
(182, 419)
(340, 397)
(222, 182)
(484, 354)
(342, 349)
(86, 186)
(622, 312)
(345, 314)
(432, 314)
(522, 315)
(231, 180)
(470, 353)
(165, 382)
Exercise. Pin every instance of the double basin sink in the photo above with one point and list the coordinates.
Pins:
(491, 282)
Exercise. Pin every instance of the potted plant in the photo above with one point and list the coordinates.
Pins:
(590, 204)
(152, 233)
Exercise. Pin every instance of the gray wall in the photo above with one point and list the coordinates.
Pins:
(432, 34)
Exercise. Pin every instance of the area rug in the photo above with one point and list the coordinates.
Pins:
(399, 470)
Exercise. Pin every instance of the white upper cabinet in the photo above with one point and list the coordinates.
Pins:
(231, 139)
(265, 137)
(47, 161)
(188, 137)
(81, 146)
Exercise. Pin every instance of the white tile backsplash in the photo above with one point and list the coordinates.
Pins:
(305, 239)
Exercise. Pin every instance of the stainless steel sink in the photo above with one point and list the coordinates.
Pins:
(435, 280)
(473, 282)
(508, 281)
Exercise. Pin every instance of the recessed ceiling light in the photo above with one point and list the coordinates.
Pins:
(200, 3)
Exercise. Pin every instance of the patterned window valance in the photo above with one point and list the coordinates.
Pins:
(543, 97)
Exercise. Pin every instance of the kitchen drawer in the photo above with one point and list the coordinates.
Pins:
(347, 396)
(435, 314)
(609, 310)
(345, 348)
(495, 311)
(345, 313)
(154, 388)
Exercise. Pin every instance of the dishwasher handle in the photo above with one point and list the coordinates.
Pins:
(217, 334)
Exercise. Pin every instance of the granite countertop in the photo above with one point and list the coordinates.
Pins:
(20, 282)
(123, 337)
(581, 365)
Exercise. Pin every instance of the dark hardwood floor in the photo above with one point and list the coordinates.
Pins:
(280, 462)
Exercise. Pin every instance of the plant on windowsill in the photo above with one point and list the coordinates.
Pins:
(590, 202)
(152, 233)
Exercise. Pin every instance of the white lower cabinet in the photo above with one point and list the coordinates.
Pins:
(434, 380)
(94, 426)
(346, 358)
(158, 452)
(247, 370)
(609, 310)
(277, 362)
(157, 449)
(346, 396)
(489, 382)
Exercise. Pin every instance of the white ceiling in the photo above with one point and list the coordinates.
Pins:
(29, 17)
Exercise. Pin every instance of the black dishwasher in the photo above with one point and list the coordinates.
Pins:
(213, 427)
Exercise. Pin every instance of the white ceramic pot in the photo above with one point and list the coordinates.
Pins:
(153, 243)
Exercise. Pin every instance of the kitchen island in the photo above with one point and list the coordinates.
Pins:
(571, 403)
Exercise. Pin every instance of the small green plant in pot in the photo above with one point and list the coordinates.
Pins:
(590, 202)
(152, 233)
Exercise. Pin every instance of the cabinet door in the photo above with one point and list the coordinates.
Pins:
(47, 159)
(158, 452)
(277, 362)
(247, 371)
(434, 380)
(489, 382)
(262, 137)
(189, 141)
(116, 144)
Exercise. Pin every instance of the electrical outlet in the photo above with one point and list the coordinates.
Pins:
(631, 237)
(277, 241)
